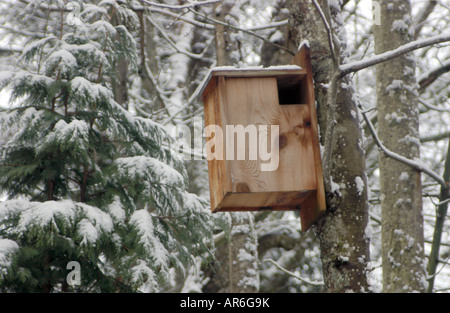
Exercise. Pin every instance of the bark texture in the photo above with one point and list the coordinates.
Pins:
(271, 54)
(237, 269)
(398, 123)
(342, 230)
(227, 46)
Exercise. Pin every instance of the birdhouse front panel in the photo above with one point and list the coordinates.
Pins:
(253, 103)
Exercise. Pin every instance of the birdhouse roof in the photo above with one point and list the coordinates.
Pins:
(254, 71)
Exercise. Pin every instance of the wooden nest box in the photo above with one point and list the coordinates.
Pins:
(262, 140)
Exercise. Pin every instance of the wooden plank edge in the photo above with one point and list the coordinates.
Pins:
(303, 59)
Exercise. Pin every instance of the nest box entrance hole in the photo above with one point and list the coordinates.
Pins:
(292, 90)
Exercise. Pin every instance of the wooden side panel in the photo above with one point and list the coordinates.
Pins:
(219, 181)
(221, 120)
(316, 206)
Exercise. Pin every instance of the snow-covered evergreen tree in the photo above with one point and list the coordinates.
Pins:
(86, 180)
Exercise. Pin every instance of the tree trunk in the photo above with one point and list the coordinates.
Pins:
(271, 54)
(149, 64)
(342, 230)
(120, 83)
(400, 185)
(227, 48)
(242, 254)
(238, 271)
(236, 268)
(441, 215)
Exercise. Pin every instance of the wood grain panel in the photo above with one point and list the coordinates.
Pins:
(245, 100)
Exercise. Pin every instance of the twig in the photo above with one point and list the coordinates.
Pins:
(183, 18)
(179, 7)
(211, 26)
(422, 17)
(442, 202)
(444, 262)
(189, 54)
(327, 27)
(428, 78)
(241, 29)
(304, 280)
(191, 99)
(159, 92)
(432, 107)
(435, 137)
(271, 25)
(415, 165)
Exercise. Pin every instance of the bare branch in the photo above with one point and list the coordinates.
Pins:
(413, 45)
(271, 25)
(435, 137)
(418, 166)
(9, 51)
(187, 53)
(432, 107)
(327, 27)
(183, 18)
(428, 78)
(241, 29)
(421, 19)
(304, 280)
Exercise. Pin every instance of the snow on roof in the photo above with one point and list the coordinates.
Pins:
(250, 71)
(273, 68)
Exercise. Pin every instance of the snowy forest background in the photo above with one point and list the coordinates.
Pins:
(91, 94)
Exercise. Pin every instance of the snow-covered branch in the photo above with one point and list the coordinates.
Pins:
(418, 166)
(22, 32)
(191, 4)
(8, 51)
(386, 56)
